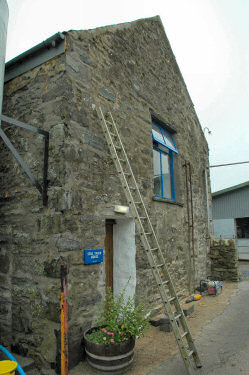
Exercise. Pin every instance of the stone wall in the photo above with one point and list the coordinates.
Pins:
(224, 259)
(130, 69)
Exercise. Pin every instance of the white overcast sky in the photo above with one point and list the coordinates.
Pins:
(210, 39)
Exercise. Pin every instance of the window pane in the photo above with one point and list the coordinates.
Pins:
(157, 133)
(163, 136)
(166, 175)
(168, 140)
(163, 148)
(157, 173)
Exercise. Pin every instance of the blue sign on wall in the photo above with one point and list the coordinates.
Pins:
(93, 256)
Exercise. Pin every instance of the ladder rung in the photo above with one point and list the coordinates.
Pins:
(132, 188)
(190, 353)
(118, 148)
(143, 217)
(123, 160)
(154, 249)
(108, 122)
(113, 134)
(160, 265)
(147, 233)
(184, 334)
(171, 299)
(138, 202)
(165, 282)
(127, 173)
(177, 316)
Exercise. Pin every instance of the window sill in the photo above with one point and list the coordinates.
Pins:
(158, 199)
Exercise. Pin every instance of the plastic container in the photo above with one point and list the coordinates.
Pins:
(7, 367)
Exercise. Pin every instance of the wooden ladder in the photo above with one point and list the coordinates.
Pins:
(150, 243)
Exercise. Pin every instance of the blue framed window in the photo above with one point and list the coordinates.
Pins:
(163, 136)
(163, 149)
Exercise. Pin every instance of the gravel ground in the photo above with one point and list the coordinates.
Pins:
(223, 345)
(157, 346)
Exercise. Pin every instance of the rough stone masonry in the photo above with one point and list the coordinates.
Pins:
(224, 259)
(130, 69)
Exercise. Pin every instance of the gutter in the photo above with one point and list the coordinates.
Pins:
(230, 189)
(37, 55)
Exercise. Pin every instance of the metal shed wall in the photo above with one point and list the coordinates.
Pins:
(233, 204)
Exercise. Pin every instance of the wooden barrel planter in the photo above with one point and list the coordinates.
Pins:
(111, 358)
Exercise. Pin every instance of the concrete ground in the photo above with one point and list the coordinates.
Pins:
(220, 327)
(223, 345)
(244, 269)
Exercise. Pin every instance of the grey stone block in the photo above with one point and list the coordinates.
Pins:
(155, 322)
(188, 310)
(165, 324)
(109, 96)
(166, 327)
(67, 244)
(93, 141)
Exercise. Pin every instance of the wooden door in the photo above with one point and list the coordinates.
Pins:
(109, 253)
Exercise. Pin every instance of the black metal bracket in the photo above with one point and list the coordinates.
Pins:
(42, 189)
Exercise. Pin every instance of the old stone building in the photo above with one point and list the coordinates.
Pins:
(130, 70)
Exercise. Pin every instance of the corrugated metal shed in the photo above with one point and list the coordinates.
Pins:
(232, 202)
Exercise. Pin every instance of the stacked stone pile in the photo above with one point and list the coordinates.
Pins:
(224, 259)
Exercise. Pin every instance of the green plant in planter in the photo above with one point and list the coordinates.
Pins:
(119, 319)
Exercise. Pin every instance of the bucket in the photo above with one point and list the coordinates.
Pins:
(7, 367)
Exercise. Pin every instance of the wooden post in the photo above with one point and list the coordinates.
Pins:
(64, 321)
(109, 255)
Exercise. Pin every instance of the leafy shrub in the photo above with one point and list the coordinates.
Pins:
(119, 319)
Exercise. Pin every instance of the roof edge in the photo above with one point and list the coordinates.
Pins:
(54, 46)
(35, 56)
(116, 26)
(232, 188)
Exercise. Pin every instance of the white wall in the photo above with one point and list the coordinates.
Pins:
(124, 256)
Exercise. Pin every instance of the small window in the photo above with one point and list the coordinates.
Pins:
(163, 149)
(163, 136)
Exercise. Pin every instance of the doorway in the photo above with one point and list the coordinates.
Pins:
(109, 253)
(120, 256)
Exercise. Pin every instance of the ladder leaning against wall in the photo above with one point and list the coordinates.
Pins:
(150, 243)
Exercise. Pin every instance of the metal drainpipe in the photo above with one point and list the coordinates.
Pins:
(190, 265)
(207, 198)
(4, 18)
(192, 218)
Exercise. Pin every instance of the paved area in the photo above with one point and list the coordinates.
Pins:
(221, 328)
(244, 269)
(224, 343)
(157, 346)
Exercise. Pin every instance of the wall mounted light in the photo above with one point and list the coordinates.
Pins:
(121, 209)
(209, 131)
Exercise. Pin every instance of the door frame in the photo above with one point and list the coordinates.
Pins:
(109, 254)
